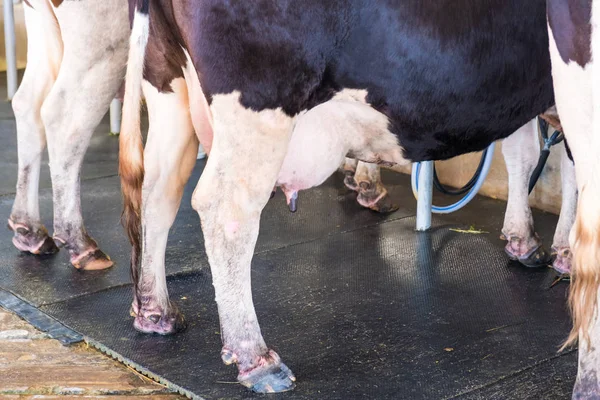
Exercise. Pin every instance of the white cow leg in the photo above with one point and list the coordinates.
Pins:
(92, 69)
(44, 53)
(521, 152)
(587, 384)
(230, 220)
(169, 157)
(560, 245)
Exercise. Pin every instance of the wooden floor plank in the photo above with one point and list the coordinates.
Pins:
(63, 397)
(34, 366)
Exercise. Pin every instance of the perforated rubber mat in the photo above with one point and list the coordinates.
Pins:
(357, 304)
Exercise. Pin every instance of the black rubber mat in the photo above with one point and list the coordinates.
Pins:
(552, 379)
(39, 319)
(379, 312)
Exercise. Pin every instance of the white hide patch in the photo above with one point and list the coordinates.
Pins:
(199, 108)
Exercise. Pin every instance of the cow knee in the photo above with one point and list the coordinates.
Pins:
(30, 135)
(23, 103)
(51, 114)
(201, 201)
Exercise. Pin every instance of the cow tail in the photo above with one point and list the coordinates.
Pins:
(131, 156)
(585, 274)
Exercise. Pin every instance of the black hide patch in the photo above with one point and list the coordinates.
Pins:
(451, 76)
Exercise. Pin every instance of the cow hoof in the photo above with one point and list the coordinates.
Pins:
(563, 260)
(91, 260)
(349, 181)
(158, 322)
(32, 241)
(536, 258)
(271, 376)
(529, 253)
(382, 203)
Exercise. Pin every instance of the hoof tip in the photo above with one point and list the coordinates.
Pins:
(94, 261)
(536, 258)
(31, 241)
(277, 380)
(228, 357)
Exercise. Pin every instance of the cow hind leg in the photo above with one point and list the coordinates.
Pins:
(577, 88)
(92, 69)
(44, 52)
(371, 192)
(349, 169)
(169, 158)
(560, 244)
(521, 152)
(230, 220)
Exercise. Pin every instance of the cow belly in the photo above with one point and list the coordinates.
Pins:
(325, 135)
(451, 76)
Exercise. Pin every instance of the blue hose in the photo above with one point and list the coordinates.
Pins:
(470, 194)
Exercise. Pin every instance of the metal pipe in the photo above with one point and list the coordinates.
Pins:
(425, 194)
(115, 117)
(10, 44)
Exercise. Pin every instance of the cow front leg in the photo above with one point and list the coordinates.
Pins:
(44, 52)
(521, 152)
(371, 192)
(560, 244)
(89, 78)
(230, 220)
(169, 157)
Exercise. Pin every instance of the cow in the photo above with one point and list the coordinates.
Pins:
(46, 59)
(76, 56)
(521, 153)
(423, 80)
(574, 47)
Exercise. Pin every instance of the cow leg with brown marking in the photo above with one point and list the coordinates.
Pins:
(44, 54)
(92, 69)
(166, 173)
(230, 220)
(521, 152)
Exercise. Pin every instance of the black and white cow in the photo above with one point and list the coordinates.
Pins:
(414, 80)
(574, 45)
(47, 58)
